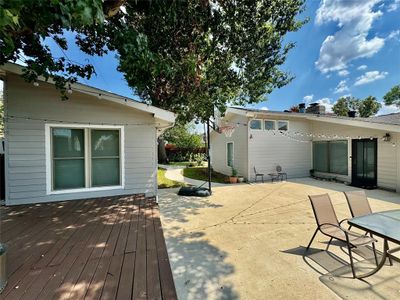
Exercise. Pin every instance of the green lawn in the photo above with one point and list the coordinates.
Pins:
(164, 182)
(200, 173)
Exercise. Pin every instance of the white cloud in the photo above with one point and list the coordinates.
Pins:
(394, 6)
(370, 76)
(341, 87)
(343, 73)
(264, 108)
(327, 103)
(388, 109)
(307, 99)
(362, 67)
(394, 34)
(350, 42)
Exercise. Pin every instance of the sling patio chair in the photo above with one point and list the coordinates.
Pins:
(359, 206)
(257, 174)
(329, 225)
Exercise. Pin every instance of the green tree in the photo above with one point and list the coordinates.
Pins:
(345, 104)
(369, 107)
(183, 136)
(185, 56)
(393, 96)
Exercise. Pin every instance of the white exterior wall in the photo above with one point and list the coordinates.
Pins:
(266, 150)
(25, 140)
(218, 149)
(388, 156)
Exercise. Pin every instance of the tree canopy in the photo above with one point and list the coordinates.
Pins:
(393, 96)
(183, 136)
(185, 56)
(365, 107)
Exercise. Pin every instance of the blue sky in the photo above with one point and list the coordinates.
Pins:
(349, 47)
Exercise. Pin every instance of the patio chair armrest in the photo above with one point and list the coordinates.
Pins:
(340, 223)
(334, 225)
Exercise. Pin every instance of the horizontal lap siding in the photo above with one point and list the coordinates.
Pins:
(26, 163)
(218, 149)
(266, 151)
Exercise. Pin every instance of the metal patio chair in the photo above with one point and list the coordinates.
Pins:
(359, 206)
(329, 225)
(280, 173)
(258, 175)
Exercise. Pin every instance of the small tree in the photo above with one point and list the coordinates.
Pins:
(393, 96)
(344, 105)
(369, 107)
(183, 136)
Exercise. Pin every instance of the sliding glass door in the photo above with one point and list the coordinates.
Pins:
(364, 163)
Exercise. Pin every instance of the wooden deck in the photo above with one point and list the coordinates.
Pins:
(107, 248)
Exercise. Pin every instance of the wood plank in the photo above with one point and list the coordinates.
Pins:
(166, 278)
(96, 285)
(111, 283)
(139, 282)
(153, 276)
(126, 280)
(133, 230)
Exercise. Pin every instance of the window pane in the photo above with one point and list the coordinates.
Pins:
(282, 125)
(69, 173)
(105, 143)
(68, 142)
(105, 171)
(338, 157)
(255, 124)
(229, 154)
(320, 156)
(269, 125)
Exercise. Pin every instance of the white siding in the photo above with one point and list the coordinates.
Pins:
(388, 162)
(218, 149)
(26, 171)
(266, 151)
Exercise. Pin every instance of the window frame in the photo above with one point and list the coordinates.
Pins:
(268, 120)
(233, 154)
(87, 159)
(277, 125)
(261, 123)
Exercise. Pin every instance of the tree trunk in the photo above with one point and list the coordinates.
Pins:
(162, 154)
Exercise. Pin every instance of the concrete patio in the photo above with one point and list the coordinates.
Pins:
(248, 241)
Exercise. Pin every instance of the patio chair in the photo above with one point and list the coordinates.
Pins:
(280, 173)
(258, 175)
(359, 206)
(329, 225)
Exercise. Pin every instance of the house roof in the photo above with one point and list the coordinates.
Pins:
(390, 122)
(158, 113)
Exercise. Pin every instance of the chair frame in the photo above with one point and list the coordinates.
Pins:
(349, 245)
(258, 175)
(370, 234)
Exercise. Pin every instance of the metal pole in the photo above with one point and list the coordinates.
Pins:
(208, 156)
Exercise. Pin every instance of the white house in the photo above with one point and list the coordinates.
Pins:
(363, 152)
(94, 144)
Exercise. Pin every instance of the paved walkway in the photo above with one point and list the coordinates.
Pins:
(175, 173)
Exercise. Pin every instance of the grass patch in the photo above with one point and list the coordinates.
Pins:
(164, 182)
(201, 173)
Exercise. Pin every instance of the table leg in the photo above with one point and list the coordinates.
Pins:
(381, 264)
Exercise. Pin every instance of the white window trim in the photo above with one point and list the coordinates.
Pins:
(233, 154)
(50, 191)
(261, 121)
(275, 125)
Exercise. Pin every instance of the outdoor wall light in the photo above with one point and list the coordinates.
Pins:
(386, 137)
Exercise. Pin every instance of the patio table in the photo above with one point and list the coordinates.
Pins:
(384, 224)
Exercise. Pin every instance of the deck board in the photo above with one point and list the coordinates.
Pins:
(105, 248)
